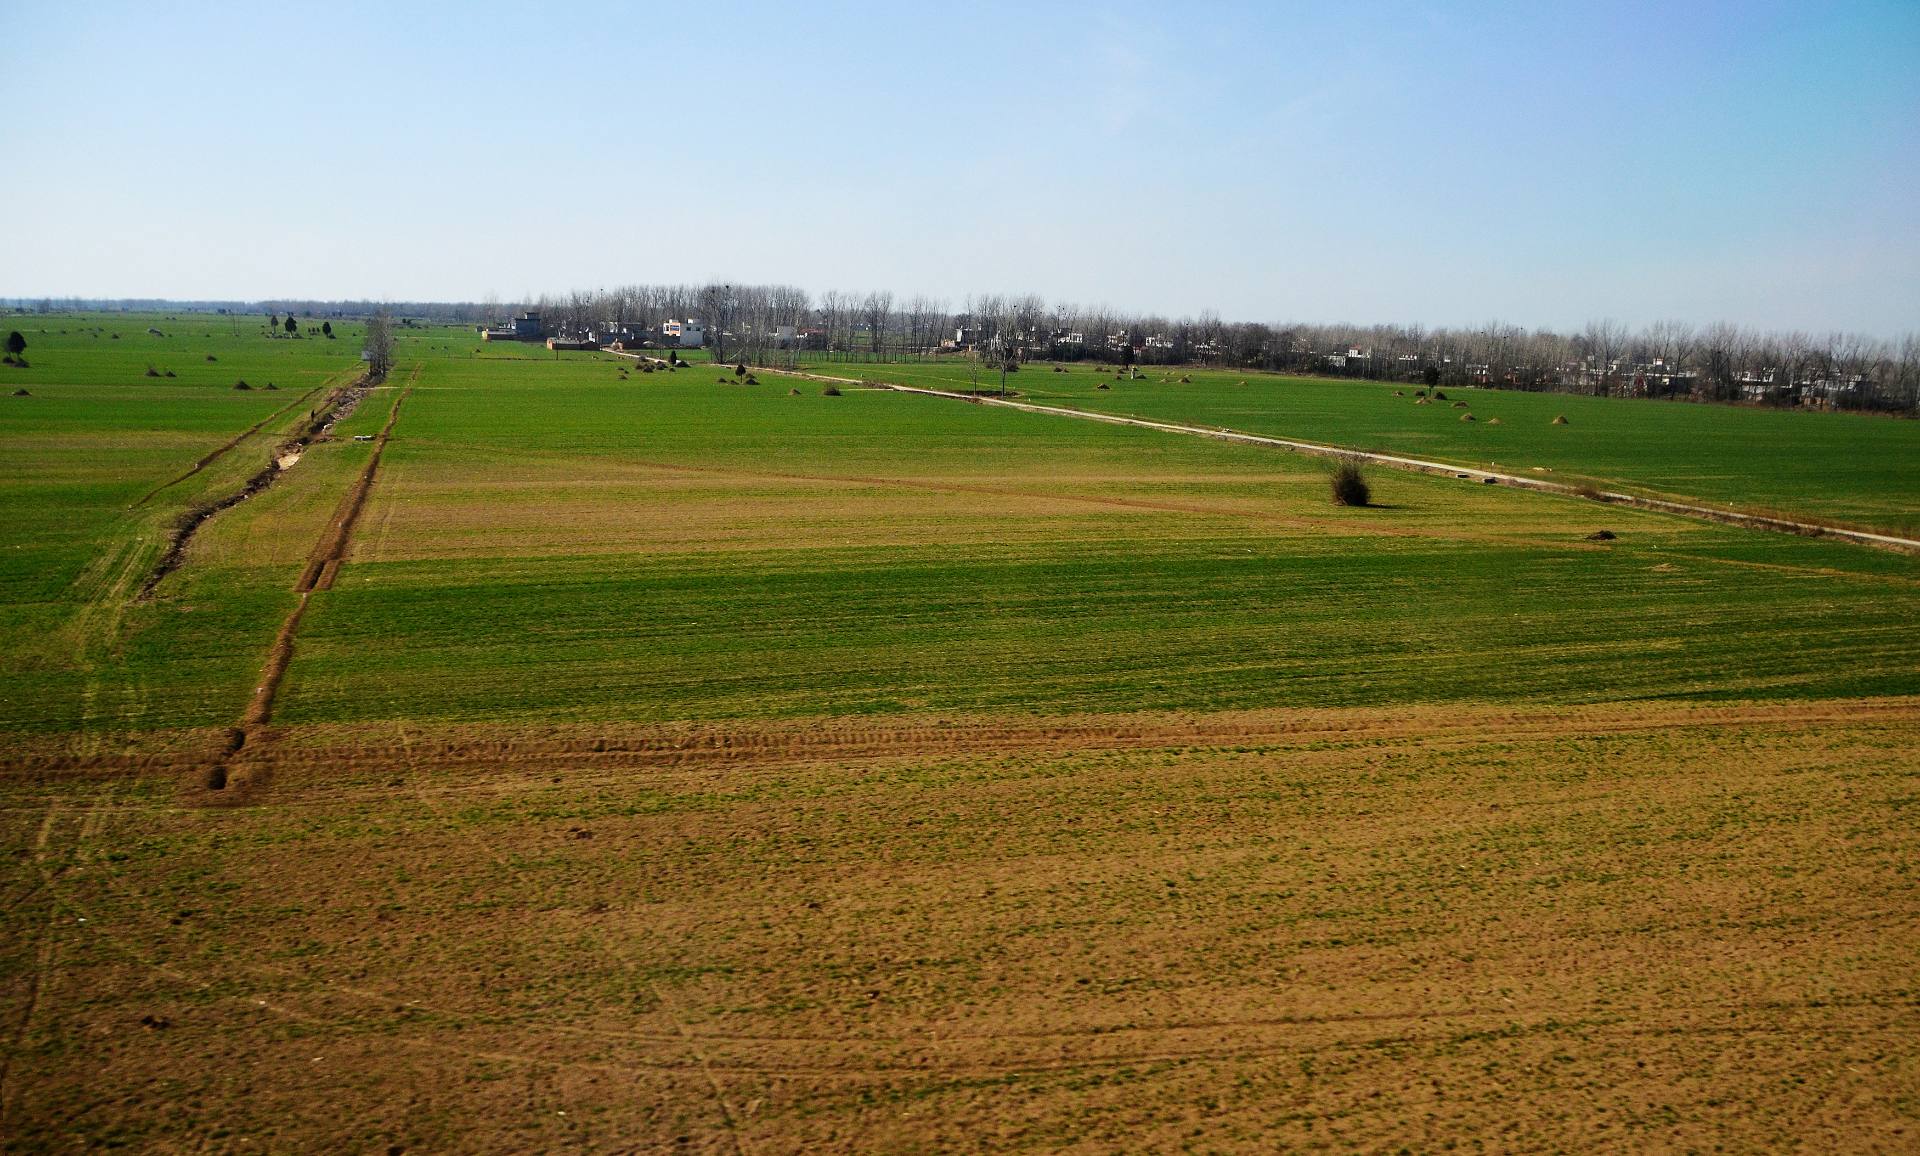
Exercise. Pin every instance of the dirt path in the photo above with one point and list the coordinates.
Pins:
(322, 564)
(1422, 466)
(1416, 465)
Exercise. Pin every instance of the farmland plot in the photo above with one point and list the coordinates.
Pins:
(1847, 469)
(679, 764)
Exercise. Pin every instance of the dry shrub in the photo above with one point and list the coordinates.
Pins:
(1602, 536)
(1349, 483)
(830, 391)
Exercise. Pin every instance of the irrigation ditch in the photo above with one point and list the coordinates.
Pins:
(322, 564)
(320, 422)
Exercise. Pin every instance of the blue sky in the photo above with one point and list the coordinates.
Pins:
(1543, 164)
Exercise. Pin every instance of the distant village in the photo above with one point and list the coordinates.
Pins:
(784, 325)
(1719, 363)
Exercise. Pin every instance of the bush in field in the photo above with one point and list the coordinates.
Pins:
(16, 344)
(1349, 484)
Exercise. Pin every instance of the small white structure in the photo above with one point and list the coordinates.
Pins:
(688, 334)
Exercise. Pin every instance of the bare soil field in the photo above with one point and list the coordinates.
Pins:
(1654, 926)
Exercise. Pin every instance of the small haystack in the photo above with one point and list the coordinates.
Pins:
(21, 393)
(1103, 385)
(1561, 419)
(830, 391)
(1466, 417)
(1493, 421)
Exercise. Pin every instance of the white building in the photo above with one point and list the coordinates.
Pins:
(688, 334)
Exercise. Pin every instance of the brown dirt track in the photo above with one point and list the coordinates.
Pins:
(1651, 926)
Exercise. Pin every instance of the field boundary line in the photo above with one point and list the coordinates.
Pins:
(318, 575)
(328, 553)
(231, 443)
(1422, 466)
(344, 400)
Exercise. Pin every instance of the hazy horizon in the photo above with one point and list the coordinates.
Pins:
(1414, 163)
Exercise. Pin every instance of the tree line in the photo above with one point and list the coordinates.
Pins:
(785, 324)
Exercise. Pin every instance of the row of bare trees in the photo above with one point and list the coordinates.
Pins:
(784, 324)
(1666, 359)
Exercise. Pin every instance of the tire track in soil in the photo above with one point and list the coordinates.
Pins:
(233, 442)
(321, 567)
(44, 955)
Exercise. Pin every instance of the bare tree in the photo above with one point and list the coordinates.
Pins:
(719, 307)
(378, 349)
(877, 310)
(1603, 341)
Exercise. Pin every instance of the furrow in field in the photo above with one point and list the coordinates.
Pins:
(619, 748)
